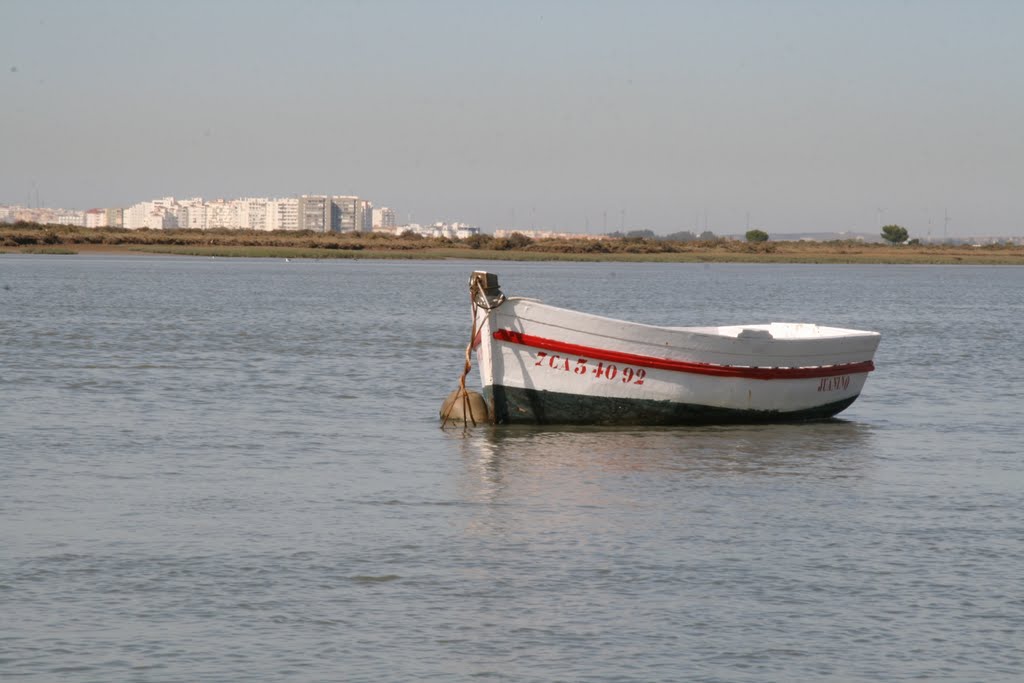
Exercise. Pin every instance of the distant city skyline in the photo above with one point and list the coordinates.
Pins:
(341, 213)
(787, 116)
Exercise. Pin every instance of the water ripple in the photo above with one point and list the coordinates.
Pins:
(228, 471)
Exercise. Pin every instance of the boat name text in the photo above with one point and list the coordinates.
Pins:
(834, 383)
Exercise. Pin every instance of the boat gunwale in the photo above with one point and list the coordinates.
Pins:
(692, 367)
(700, 330)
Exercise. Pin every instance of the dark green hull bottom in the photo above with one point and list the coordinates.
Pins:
(528, 406)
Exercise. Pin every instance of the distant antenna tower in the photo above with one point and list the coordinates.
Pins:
(945, 225)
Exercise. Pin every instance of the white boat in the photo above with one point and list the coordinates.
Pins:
(541, 364)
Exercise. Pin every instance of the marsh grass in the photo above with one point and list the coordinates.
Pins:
(36, 249)
(56, 239)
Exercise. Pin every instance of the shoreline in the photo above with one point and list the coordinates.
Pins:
(64, 240)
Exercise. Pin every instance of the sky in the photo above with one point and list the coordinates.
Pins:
(786, 116)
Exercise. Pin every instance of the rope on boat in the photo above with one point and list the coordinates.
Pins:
(477, 300)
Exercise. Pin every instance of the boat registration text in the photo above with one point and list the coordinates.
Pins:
(583, 367)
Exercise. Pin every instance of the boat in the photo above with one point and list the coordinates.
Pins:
(541, 364)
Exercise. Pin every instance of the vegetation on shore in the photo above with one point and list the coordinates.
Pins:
(32, 238)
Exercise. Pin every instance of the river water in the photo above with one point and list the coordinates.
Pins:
(232, 470)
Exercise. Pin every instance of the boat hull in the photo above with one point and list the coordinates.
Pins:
(513, 405)
(542, 364)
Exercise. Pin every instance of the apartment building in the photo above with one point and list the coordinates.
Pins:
(252, 213)
(95, 218)
(192, 214)
(334, 213)
(383, 219)
(159, 214)
(283, 214)
(318, 213)
(314, 213)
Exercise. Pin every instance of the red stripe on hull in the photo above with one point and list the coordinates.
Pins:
(684, 366)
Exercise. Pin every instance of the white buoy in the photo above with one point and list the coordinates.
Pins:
(464, 406)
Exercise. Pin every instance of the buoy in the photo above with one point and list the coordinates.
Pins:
(465, 406)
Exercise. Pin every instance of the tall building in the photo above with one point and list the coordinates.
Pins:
(364, 217)
(314, 213)
(96, 218)
(135, 215)
(383, 219)
(252, 213)
(283, 214)
(159, 214)
(115, 217)
(334, 213)
(317, 213)
(221, 214)
(351, 214)
(192, 213)
(344, 213)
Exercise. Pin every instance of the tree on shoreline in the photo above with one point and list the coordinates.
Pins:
(756, 236)
(894, 234)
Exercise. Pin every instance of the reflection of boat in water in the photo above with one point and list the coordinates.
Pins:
(574, 459)
(546, 365)
(614, 485)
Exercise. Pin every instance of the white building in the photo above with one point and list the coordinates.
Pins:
(221, 214)
(115, 217)
(384, 219)
(192, 213)
(549, 234)
(71, 218)
(462, 231)
(96, 218)
(252, 213)
(449, 230)
(159, 214)
(364, 216)
(283, 214)
(333, 213)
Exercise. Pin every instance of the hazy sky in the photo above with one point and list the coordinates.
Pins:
(664, 115)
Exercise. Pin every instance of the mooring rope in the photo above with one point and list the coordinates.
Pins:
(474, 330)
